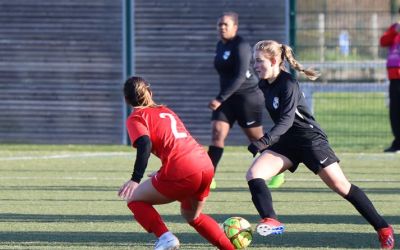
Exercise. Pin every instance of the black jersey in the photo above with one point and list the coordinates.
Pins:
(233, 64)
(287, 107)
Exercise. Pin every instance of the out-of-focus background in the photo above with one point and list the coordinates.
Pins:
(62, 67)
(62, 64)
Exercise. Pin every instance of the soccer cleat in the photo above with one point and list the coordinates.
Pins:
(392, 149)
(167, 241)
(269, 226)
(276, 181)
(213, 184)
(386, 237)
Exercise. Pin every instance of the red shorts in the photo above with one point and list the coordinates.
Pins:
(195, 186)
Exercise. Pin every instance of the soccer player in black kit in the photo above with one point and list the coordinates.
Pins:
(296, 138)
(239, 98)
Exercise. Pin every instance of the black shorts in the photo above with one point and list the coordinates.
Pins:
(246, 109)
(315, 156)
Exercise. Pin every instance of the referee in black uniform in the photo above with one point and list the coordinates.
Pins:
(296, 138)
(239, 98)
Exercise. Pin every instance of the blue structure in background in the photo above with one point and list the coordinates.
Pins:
(344, 42)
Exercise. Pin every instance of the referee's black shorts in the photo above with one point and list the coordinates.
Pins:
(246, 109)
(315, 155)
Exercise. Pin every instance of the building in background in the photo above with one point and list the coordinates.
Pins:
(63, 62)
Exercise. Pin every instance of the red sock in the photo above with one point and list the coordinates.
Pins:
(148, 217)
(210, 230)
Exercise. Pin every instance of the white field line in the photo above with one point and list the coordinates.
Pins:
(370, 156)
(57, 178)
(316, 179)
(64, 156)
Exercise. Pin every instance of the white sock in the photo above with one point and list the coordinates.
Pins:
(166, 235)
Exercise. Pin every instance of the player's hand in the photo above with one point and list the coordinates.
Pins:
(126, 190)
(258, 146)
(214, 104)
(152, 174)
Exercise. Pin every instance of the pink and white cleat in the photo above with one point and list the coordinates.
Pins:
(269, 226)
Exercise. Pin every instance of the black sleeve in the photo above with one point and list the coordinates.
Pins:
(241, 67)
(288, 103)
(143, 146)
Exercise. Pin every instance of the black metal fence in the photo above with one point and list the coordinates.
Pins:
(341, 39)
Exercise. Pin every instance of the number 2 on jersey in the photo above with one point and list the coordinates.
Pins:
(173, 126)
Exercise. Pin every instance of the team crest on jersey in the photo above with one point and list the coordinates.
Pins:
(226, 55)
(275, 102)
(248, 74)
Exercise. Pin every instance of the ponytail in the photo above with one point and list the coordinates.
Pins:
(282, 51)
(287, 53)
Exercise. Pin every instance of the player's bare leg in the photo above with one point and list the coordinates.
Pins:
(268, 164)
(254, 134)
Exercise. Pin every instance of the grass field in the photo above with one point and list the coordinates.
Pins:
(64, 197)
(354, 121)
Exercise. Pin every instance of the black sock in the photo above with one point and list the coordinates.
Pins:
(364, 206)
(261, 197)
(215, 154)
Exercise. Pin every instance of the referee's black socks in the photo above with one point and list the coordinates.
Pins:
(215, 154)
(262, 198)
(364, 206)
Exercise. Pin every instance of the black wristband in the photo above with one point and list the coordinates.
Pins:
(136, 178)
(258, 146)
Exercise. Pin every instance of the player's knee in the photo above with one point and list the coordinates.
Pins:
(217, 137)
(255, 173)
(188, 219)
(195, 221)
(219, 134)
(187, 211)
(341, 187)
(189, 216)
(249, 175)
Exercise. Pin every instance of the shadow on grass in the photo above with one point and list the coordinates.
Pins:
(306, 190)
(308, 219)
(319, 239)
(253, 218)
(43, 218)
(290, 239)
(61, 188)
(218, 190)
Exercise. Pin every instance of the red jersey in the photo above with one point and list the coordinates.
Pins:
(178, 151)
(391, 39)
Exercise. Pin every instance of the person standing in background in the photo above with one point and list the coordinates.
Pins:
(239, 98)
(391, 39)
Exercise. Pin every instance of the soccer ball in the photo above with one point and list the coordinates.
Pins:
(238, 230)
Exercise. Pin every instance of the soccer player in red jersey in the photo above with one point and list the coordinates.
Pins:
(185, 174)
